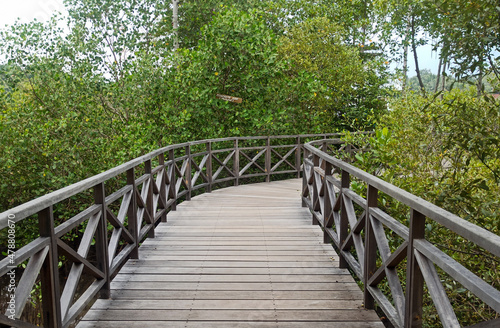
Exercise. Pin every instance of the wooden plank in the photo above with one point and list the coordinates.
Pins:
(279, 240)
(237, 222)
(227, 324)
(262, 235)
(331, 315)
(243, 241)
(243, 253)
(239, 258)
(135, 294)
(228, 278)
(241, 264)
(252, 248)
(176, 270)
(225, 305)
(156, 285)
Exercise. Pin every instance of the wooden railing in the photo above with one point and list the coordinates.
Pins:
(360, 230)
(126, 203)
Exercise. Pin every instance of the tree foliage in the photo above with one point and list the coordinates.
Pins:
(348, 84)
(81, 94)
(446, 151)
(430, 80)
(465, 33)
(108, 87)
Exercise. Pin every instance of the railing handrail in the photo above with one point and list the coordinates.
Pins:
(24, 210)
(145, 198)
(466, 229)
(331, 201)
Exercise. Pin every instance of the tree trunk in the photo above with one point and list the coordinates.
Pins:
(438, 74)
(480, 79)
(415, 56)
(480, 84)
(175, 23)
(405, 57)
(405, 67)
(443, 82)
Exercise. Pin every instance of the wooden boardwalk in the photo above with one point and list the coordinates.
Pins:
(244, 256)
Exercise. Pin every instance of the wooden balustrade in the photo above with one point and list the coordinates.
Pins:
(359, 229)
(117, 220)
(144, 190)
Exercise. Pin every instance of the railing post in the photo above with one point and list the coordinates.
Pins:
(305, 183)
(414, 278)
(101, 241)
(132, 214)
(149, 202)
(344, 221)
(327, 204)
(163, 189)
(209, 166)
(236, 163)
(315, 195)
(324, 148)
(268, 159)
(188, 172)
(370, 264)
(349, 151)
(51, 293)
(173, 182)
(297, 157)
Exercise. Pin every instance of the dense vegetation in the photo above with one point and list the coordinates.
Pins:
(446, 151)
(84, 93)
(434, 83)
(116, 79)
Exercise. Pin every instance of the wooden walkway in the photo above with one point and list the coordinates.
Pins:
(244, 256)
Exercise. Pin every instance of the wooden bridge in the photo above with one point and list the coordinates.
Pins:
(238, 257)
(160, 246)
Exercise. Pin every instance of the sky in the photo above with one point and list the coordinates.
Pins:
(427, 59)
(27, 10)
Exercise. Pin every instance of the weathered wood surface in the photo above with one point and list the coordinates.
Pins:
(243, 256)
(362, 231)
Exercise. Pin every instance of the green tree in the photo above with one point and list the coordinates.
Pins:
(110, 87)
(445, 151)
(470, 32)
(430, 80)
(236, 55)
(466, 33)
(350, 87)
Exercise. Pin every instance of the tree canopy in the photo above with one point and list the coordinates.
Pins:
(86, 92)
(116, 79)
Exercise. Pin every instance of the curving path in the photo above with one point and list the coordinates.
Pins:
(245, 256)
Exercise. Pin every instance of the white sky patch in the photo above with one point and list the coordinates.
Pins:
(28, 10)
(42, 10)
(427, 59)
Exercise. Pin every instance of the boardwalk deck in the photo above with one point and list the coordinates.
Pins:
(243, 256)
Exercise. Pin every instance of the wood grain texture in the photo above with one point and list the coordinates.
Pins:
(243, 256)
